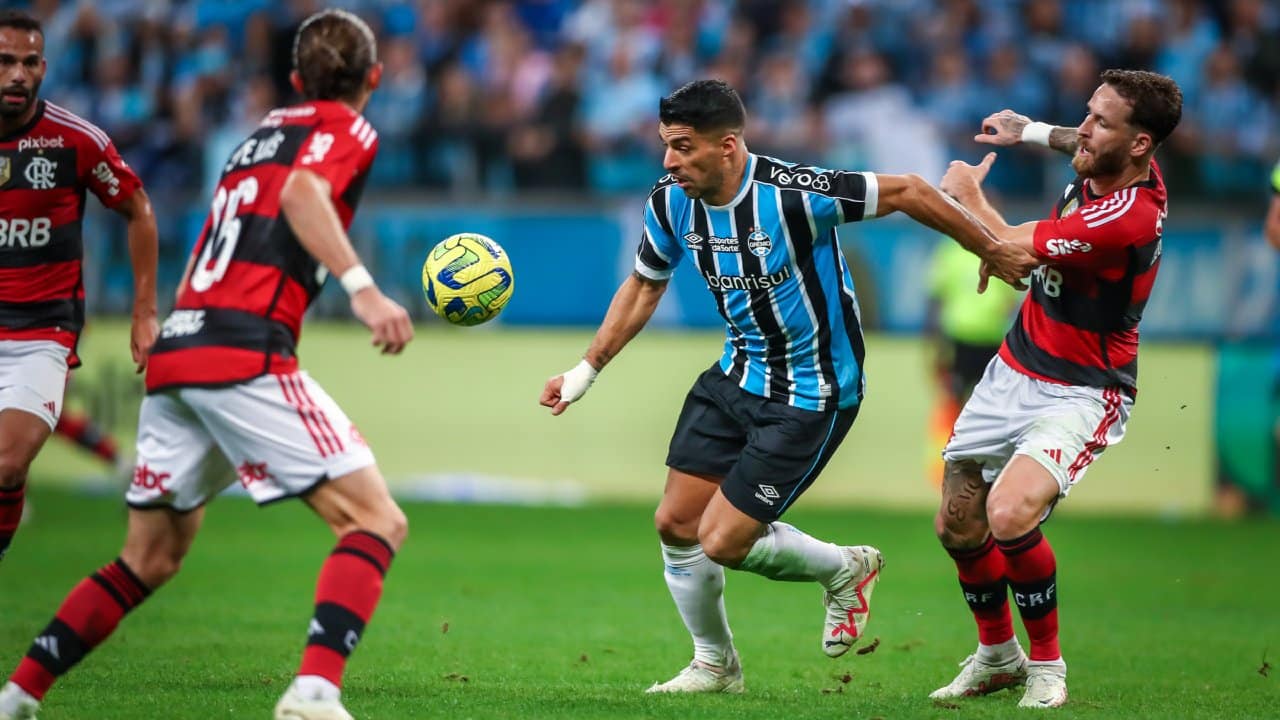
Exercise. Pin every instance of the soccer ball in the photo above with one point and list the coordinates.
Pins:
(467, 279)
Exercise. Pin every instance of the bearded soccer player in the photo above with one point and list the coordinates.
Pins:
(758, 426)
(48, 158)
(1061, 388)
(227, 354)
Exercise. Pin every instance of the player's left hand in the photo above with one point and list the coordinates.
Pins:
(962, 180)
(142, 335)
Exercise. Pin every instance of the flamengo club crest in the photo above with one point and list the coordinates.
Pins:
(5, 166)
(759, 243)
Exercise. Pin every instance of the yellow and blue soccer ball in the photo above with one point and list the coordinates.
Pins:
(467, 279)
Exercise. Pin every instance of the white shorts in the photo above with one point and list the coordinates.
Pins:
(1062, 427)
(33, 377)
(282, 435)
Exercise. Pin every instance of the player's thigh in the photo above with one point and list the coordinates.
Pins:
(282, 434)
(1021, 498)
(176, 466)
(787, 450)
(157, 541)
(360, 500)
(961, 521)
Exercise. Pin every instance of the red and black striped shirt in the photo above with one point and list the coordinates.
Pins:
(45, 168)
(1079, 323)
(240, 314)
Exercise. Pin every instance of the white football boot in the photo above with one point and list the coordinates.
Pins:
(16, 704)
(700, 677)
(1046, 685)
(981, 678)
(849, 605)
(297, 704)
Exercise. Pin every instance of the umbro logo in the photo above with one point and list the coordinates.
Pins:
(767, 494)
(1054, 454)
(693, 240)
(50, 645)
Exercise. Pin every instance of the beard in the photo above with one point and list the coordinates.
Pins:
(9, 111)
(1093, 165)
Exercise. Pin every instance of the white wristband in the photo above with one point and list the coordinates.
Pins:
(356, 279)
(1037, 133)
(577, 380)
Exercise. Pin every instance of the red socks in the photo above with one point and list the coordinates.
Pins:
(88, 615)
(982, 578)
(1032, 573)
(11, 502)
(347, 592)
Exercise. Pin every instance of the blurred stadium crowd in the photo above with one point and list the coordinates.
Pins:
(496, 96)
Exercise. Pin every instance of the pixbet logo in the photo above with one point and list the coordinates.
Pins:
(40, 143)
(148, 479)
(1058, 247)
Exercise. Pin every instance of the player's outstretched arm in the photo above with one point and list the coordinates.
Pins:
(1007, 128)
(632, 306)
(304, 200)
(927, 205)
(143, 253)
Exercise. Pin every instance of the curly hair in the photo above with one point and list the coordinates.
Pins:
(1156, 100)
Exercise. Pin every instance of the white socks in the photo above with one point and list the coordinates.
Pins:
(785, 553)
(697, 585)
(999, 654)
(314, 687)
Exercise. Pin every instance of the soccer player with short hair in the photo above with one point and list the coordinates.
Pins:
(1060, 390)
(224, 380)
(758, 427)
(49, 156)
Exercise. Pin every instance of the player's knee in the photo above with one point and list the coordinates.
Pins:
(723, 548)
(13, 470)
(154, 568)
(675, 528)
(397, 526)
(956, 533)
(1012, 517)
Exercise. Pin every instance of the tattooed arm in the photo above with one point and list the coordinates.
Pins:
(1005, 128)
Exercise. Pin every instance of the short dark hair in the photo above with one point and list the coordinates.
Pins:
(1156, 100)
(333, 52)
(20, 20)
(704, 105)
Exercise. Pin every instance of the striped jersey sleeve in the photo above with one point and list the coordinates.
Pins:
(1094, 235)
(835, 197)
(660, 250)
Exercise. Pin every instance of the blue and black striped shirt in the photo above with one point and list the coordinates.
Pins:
(771, 260)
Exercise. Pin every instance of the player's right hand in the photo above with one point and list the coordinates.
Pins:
(1002, 128)
(385, 318)
(1008, 262)
(568, 387)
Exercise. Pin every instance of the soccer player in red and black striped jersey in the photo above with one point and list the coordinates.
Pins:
(1060, 390)
(224, 380)
(49, 157)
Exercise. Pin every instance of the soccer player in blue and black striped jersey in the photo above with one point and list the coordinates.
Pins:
(758, 426)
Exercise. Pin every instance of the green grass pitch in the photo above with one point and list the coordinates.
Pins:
(562, 612)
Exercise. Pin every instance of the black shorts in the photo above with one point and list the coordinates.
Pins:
(768, 452)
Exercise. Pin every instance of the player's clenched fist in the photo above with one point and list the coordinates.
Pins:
(568, 387)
